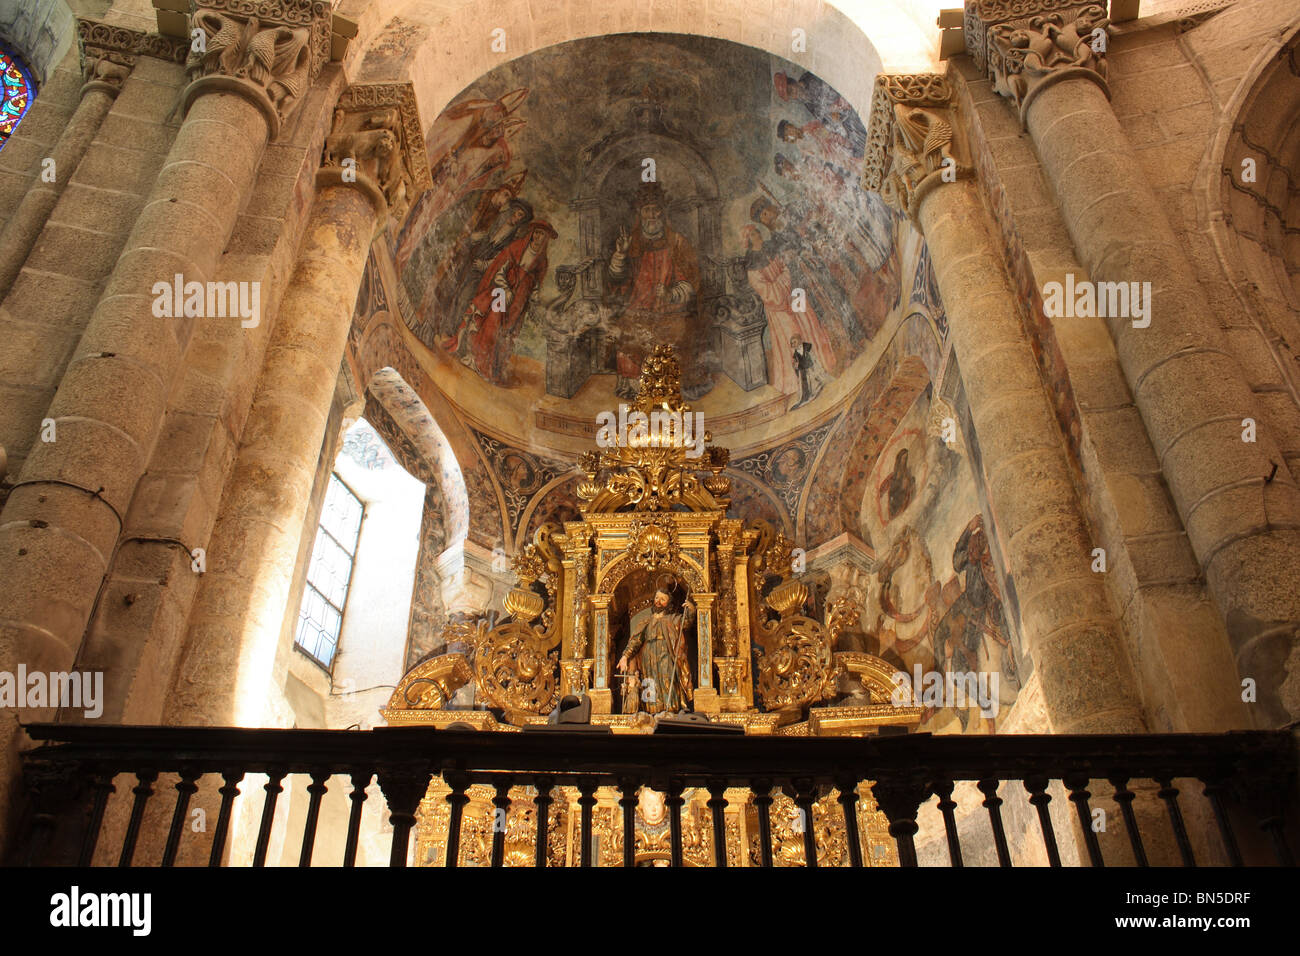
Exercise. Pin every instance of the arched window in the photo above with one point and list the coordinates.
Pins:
(16, 95)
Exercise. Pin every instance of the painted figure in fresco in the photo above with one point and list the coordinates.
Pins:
(459, 249)
(827, 106)
(769, 277)
(469, 145)
(659, 647)
(788, 259)
(972, 636)
(485, 339)
(810, 383)
(833, 148)
(485, 222)
(655, 270)
(900, 486)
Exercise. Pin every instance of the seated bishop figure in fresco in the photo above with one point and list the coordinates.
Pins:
(654, 270)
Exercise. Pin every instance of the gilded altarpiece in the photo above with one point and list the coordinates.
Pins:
(655, 543)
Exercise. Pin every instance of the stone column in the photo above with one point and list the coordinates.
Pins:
(1237, 500)
(1070, 630)
(108, 53)
(60, 524)
(374, 161)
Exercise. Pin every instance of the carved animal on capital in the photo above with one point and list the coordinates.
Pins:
(382, 119)
(360, 146)
(106, 71)
(1077, 40)
(927, 138)
(224, 42)
(290, 68)
(276, 58)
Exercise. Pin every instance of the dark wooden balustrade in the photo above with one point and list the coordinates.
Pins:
(1247, 778)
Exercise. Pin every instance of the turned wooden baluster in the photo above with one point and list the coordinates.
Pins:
(1169, 794)
(542, 801)
(316, 789)
(186, 787)
(805, 793)
(848, 800)
(900, 799)
(403, 786)
(943, 790)
(1040, 798)
(103, 788)
(500, 813)
(993, 803)
(360, 780)
(763, 802)
(229, 790)
(586, 801)
(628, 787)
(1077, 784)
(458, 798)
(718, 807)
(274, 776)
(1124, 797)
(143, 791)
(674, 802)
(1215, 790)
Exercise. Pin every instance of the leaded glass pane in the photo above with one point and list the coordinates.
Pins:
(16, 93)
(320, 618)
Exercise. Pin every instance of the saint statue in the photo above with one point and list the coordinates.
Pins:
(658, 646)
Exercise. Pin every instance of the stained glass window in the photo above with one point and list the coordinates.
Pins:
(18, 92)
(320, 618)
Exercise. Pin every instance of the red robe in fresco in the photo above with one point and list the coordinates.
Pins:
(491, 344)
(648, 319)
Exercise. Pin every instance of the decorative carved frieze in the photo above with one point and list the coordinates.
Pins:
(109, 52)
(377, 135)
(276, 47)
(911, 147)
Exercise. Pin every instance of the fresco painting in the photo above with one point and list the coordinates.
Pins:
(936, 602)
(696, 192)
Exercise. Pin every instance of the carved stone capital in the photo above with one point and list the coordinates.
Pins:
(269, 51)
(377, 142)
(911, 145)
(1026, 45)
(108, 53)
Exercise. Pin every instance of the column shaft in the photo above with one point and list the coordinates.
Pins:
(24, 226)
(1239, 504)
(226, 670)
(62, 520)
(1069, 626)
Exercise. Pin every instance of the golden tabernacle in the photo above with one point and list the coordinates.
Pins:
(655, 602)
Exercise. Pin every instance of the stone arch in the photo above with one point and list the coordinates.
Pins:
(1254, 226)
(380, 346)
(39, 31)
(435, 49)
